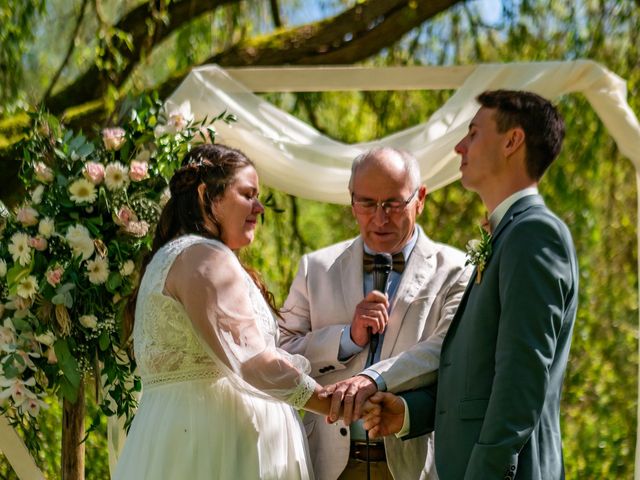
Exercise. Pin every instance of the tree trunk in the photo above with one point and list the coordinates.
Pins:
(72, 435)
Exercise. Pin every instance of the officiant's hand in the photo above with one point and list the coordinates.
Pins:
(348, 396)
(371, 316)
(383, 414)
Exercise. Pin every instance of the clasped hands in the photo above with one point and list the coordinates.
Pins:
(358, 397)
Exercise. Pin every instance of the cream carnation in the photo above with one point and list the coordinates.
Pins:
(80, 241)
(47, 227)
(115, 176)
(83, 191)
(98, 270)
(89, 321)
(126, 268)
(46, 338)
(19, 248)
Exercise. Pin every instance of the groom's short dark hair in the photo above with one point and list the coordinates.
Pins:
(542, 124)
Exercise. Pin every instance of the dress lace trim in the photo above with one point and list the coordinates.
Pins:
(164, 378)
(303, 392)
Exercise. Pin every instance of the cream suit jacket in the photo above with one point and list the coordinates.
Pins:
(321, 303)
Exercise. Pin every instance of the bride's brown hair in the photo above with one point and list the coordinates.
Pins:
(206, 172)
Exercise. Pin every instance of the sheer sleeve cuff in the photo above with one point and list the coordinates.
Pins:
(303, 392)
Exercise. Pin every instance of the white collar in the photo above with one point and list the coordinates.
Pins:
(500, 211)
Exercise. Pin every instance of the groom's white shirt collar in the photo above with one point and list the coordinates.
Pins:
(500, 211)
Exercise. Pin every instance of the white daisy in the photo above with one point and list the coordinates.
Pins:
(80, 241)
(83, 191)
(98, 270)
(19, 248)
(27, 287)
(116, 176)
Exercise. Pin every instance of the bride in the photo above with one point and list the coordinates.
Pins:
(219, 397)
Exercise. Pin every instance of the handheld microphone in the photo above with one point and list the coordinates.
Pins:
(382, 263)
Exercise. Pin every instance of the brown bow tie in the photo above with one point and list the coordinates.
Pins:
(398, 262)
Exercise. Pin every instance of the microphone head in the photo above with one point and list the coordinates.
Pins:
(382, 262)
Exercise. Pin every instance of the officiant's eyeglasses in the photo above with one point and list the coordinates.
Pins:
(388, 206)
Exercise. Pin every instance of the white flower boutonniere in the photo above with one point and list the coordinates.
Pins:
(478, 253)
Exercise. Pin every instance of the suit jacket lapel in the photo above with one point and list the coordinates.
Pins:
(352, 283)
(516, 209)
(420, 267)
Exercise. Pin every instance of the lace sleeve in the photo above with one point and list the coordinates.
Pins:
(234, 326)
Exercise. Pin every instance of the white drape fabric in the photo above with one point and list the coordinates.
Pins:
(295, 158)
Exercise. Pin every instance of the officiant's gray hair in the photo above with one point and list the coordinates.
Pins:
(410, 162)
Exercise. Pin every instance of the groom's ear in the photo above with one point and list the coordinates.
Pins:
(514, 140)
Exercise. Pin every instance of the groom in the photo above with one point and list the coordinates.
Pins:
(504, 356)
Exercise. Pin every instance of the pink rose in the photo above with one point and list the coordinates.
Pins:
(27, 216)
(125, 216)
(137, 229)
(39, 243)
(94, 172)
(138, 170)
(43, 173)
(54, 276)
(113, 138)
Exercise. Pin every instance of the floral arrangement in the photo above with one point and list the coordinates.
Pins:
(478, 252)
(70, 254)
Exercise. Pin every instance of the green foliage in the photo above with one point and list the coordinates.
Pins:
(17, 21)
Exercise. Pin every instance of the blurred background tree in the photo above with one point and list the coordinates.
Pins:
(78, 58)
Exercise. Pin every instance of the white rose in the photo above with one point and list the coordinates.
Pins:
(36, 195)
(89, 321)
(473, 245)
(80, 241)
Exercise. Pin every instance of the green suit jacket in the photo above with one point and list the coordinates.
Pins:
(497, 411)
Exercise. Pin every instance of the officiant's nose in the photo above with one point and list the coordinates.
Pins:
(461, 146)
(381, 216)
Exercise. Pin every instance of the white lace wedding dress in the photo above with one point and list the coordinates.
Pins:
(219, 397)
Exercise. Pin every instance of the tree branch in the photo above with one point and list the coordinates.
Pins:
(275, 13)
(72, 46)
(349, 37)
(92, 84)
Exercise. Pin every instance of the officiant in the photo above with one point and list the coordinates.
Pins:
(335, 318)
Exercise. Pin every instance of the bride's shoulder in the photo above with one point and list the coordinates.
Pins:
(194, 251)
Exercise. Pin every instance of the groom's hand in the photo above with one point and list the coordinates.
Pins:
(350, 394)
(371, 316)
(383, 414)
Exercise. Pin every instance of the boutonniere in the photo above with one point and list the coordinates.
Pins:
(478, 252)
